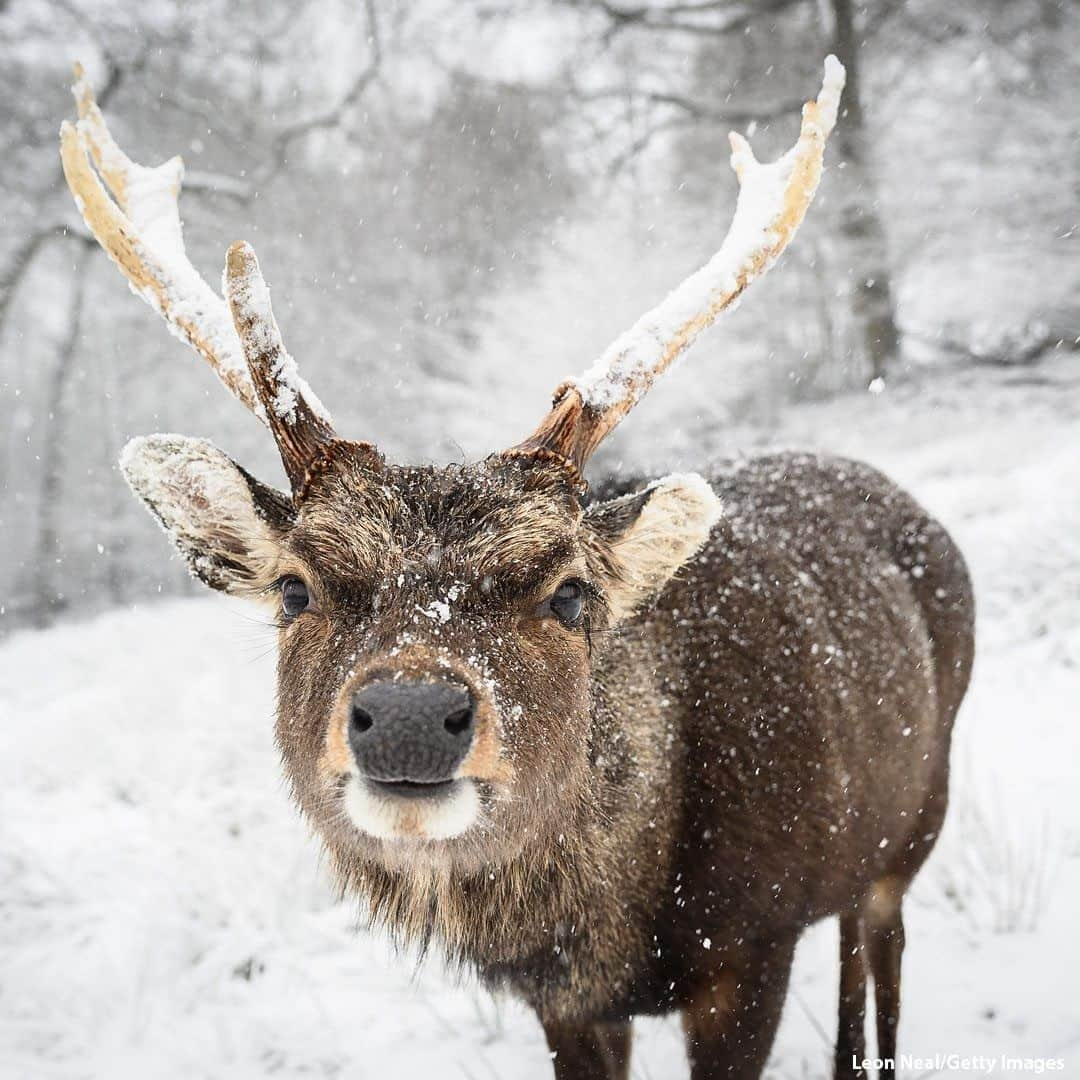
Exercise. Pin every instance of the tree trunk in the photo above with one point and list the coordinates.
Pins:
(874, 338)
(48, 598)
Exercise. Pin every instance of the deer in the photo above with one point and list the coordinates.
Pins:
(612, 748)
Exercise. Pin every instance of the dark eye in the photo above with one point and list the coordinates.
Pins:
(568, 603)
(294, 596)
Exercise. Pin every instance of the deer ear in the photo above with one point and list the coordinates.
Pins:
(224, 522)
(647, 536)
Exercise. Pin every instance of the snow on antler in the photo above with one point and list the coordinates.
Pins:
(773, 199)
(133, 212)
(296, 417)
(772, 202)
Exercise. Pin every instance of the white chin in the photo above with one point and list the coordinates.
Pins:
(391, 817)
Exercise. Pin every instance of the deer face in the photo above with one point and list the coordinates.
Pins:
(437, 630)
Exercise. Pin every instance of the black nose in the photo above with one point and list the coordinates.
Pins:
(412, 731)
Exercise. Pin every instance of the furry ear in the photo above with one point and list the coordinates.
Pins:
(645, 537)
(222, 520)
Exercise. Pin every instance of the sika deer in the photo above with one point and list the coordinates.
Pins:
(614, 753)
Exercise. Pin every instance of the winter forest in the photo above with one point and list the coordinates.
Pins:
(457, 205)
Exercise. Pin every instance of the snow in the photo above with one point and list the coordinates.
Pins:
(152, 465)
(165, 914)
(437, 611)
(753, 242)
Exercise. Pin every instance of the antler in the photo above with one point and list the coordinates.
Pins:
(300, 430)
(134, 214)
(773, 199)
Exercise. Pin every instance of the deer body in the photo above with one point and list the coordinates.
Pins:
(614, 754)
(768, 745)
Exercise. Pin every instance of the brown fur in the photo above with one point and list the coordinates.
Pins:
(668, 799)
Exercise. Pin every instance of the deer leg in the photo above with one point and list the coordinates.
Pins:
(730, 1032)
(884, 927)
(590, 1051)
(618, 1038)
(851, 1032)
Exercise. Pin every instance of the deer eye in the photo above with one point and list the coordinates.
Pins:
(294, 596)
(568, 603)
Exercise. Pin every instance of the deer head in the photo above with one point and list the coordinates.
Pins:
(438, 627)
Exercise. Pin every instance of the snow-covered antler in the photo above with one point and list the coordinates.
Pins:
(294, 415)
(773, 199)
(134, 214)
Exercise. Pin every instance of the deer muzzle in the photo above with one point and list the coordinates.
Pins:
(409, 738)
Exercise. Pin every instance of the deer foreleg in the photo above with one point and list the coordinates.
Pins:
(590, 1051)
(728, 1037)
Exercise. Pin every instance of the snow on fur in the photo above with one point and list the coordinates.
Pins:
(198, 496)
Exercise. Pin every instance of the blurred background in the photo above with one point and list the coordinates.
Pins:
(458, 204)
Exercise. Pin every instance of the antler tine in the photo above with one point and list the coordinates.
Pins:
(133, 212)
(141, 232)
(297, 419)
(773, 200)
(112, 163)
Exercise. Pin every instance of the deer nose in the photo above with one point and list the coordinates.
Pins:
(416, 732)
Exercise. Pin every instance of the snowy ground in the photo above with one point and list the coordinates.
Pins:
(163, 912)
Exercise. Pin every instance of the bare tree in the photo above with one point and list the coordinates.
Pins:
(48, 592)
(864, 258)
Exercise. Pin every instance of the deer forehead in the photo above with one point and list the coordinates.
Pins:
(467, 522)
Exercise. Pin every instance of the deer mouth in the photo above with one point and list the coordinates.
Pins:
(408, 810)
(411, 789)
